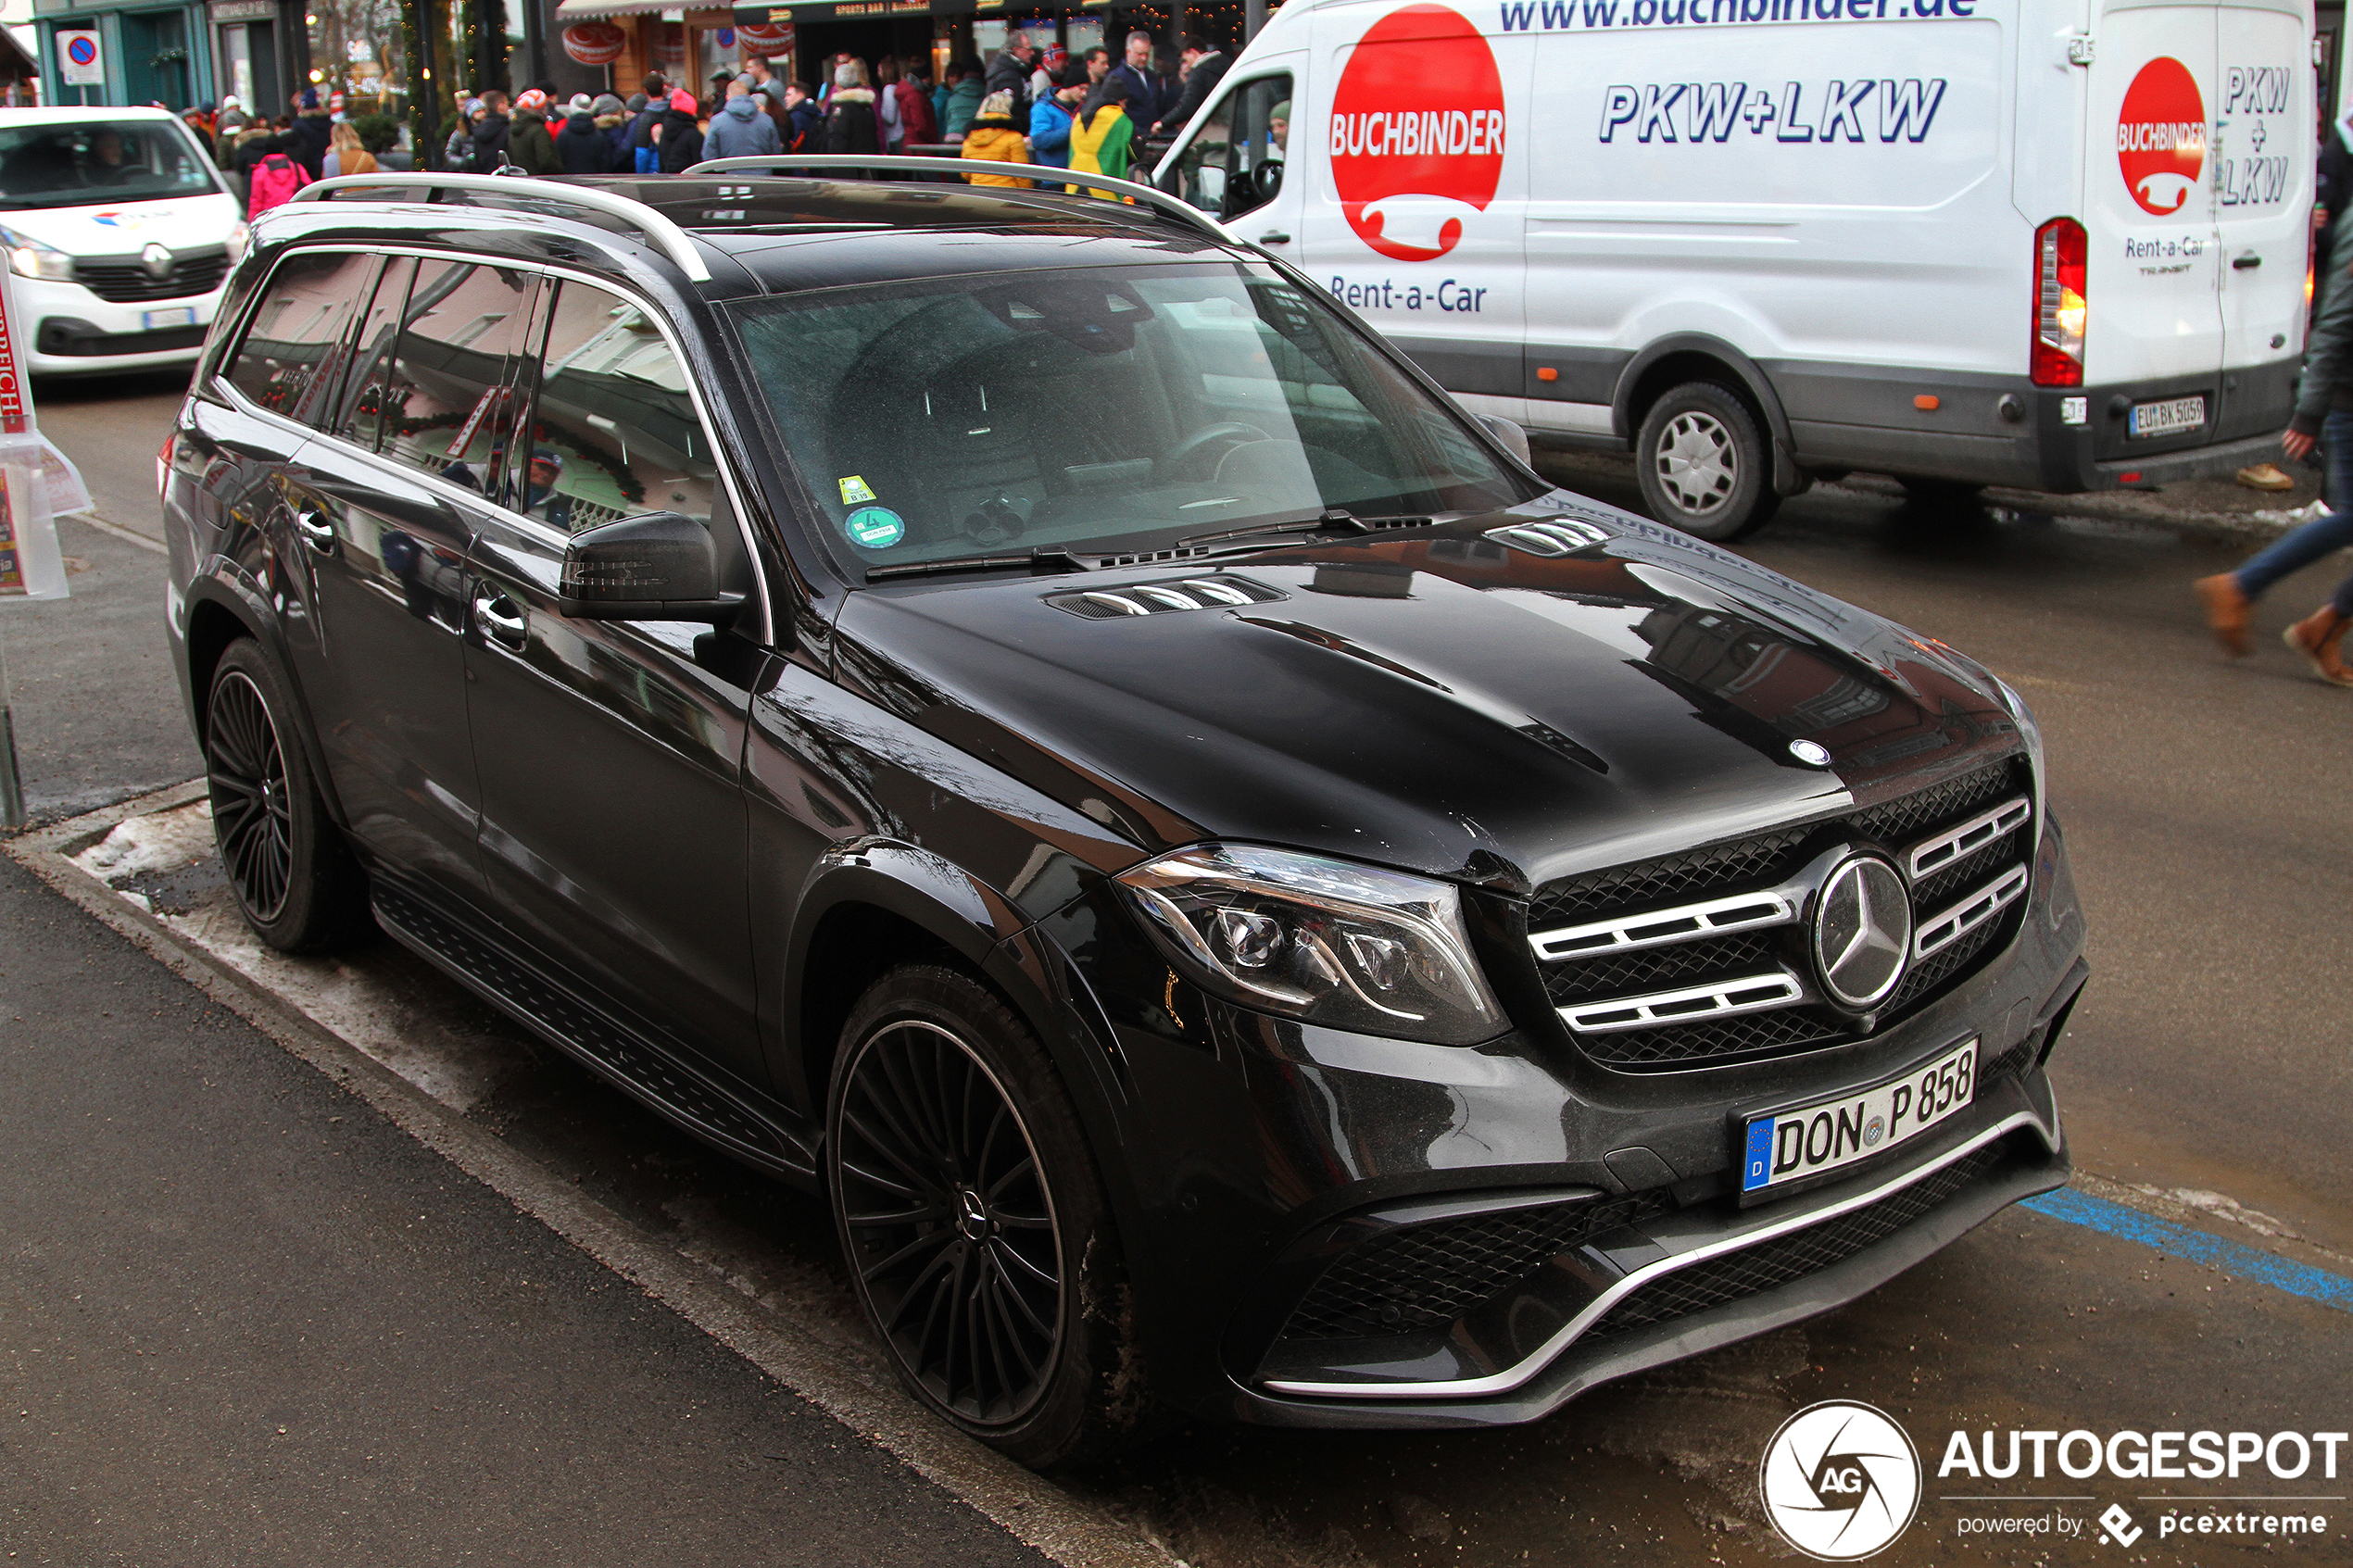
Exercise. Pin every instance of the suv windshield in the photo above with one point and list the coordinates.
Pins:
(92, 161)
(1100, 407)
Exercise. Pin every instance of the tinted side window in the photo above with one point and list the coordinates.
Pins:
(615, 432)
(292, 357)
(362, 417)
(452, 368)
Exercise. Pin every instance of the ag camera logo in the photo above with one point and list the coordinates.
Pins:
(1840, 1481)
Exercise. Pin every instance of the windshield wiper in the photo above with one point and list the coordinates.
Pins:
(1333, 520)
(1045, 558)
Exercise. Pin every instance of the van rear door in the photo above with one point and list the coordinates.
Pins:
(2263, 164)
(2153, 322)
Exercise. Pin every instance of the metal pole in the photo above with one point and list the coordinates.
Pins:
(1254, 18)
(12, 813)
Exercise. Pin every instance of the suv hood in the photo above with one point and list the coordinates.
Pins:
(126, 228)
(1448, 702)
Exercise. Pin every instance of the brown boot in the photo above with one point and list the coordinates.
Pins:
(2319, 638)
(2226, 609)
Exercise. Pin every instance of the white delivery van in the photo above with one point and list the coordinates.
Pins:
(2059, 244)
(120, 234)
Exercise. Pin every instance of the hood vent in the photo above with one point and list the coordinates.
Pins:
(1550, 538)
(1223, 591)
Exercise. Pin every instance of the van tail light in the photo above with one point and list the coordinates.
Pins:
(2058, 303)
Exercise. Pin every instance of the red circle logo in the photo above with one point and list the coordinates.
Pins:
(2160, 136)
(595, 44)
(1417, 131)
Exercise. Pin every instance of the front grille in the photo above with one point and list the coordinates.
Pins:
(1693, 880)
(1426, 1276)
(1772, 1264)
(126, 282)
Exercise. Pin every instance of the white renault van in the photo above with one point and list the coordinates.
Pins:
(120, 234)
(2059, 244)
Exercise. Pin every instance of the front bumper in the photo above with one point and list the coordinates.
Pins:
(70, 330)
(1251, 1157)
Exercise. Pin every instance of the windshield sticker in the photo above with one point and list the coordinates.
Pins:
(854, 489)
(872, 527)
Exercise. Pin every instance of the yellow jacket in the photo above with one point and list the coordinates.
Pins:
(1103, 147)
(996, 140)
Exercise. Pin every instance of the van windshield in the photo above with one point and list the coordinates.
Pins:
(1112, 408)
(92, 161)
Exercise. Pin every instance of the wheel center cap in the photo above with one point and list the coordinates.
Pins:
(972, 1215)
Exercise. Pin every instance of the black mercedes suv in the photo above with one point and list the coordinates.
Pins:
(1018, 714)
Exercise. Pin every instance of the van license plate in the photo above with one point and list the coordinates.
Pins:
(2164, 418)
(178, 316)
(1790, 1146)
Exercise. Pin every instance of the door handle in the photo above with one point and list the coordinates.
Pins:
(500, 617)
(317, 532)
(2241, 263)
(1273, 237)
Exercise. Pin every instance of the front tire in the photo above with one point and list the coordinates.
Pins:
(294, 879)
(1703, 463)
(980, 1242)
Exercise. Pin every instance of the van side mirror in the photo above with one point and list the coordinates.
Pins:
(655, 566)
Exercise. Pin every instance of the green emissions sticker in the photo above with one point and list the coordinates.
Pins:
(874, 528)
(854, 489)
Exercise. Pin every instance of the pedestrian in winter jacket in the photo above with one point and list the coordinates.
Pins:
(740, 129)
(916, 121)
(852, 124)
(530, 146)
(1050, 120)
(678, 136)
(1101, 136)
(964, 102)
(645, 113)
(492, 133)
(805, 117)
(1205, 68)
(2323, 418)
(997, 137)
(1009, 72)
(582, 146)
(275, 179)
(312, 131)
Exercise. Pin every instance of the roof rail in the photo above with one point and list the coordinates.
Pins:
(665, 235)
(1146, 195)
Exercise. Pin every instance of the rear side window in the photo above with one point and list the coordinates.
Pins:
(615, 432)
(292, 356)
(445, 396)
(362, 418)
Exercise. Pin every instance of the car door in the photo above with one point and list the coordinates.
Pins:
(388, 504)
(613, 823)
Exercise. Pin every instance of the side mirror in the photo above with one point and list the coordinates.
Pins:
(655, 566)
(1513, 438)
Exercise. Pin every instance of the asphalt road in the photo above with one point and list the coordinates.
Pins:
(2213, 859)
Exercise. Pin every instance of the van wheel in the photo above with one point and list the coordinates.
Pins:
(980, 1238)
(1703, 463)
(295, 881)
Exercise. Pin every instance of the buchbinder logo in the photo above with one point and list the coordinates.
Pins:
(1417, 131)
(2160, 136)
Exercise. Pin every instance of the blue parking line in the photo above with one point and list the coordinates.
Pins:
(2247, 1262)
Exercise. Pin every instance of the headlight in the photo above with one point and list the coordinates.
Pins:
(1325, 941)
(28, 258)
(236, 242)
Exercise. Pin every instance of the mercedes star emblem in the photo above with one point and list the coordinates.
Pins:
(157, 260)
(1862, 931)
(1812, 753)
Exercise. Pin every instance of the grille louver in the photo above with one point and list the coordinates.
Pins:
(1221, 591)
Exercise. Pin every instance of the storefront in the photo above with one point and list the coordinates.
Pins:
(620, 41)
(246, 59)
(113, 52)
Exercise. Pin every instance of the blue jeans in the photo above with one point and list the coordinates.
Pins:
(2294, 551)
(649, 162)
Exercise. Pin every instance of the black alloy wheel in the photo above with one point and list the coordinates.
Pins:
(975, 1224)
(293, 877)
(252, 819)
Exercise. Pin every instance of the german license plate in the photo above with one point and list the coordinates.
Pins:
(2164, 418)
(178, 316)
(1790, 1146)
